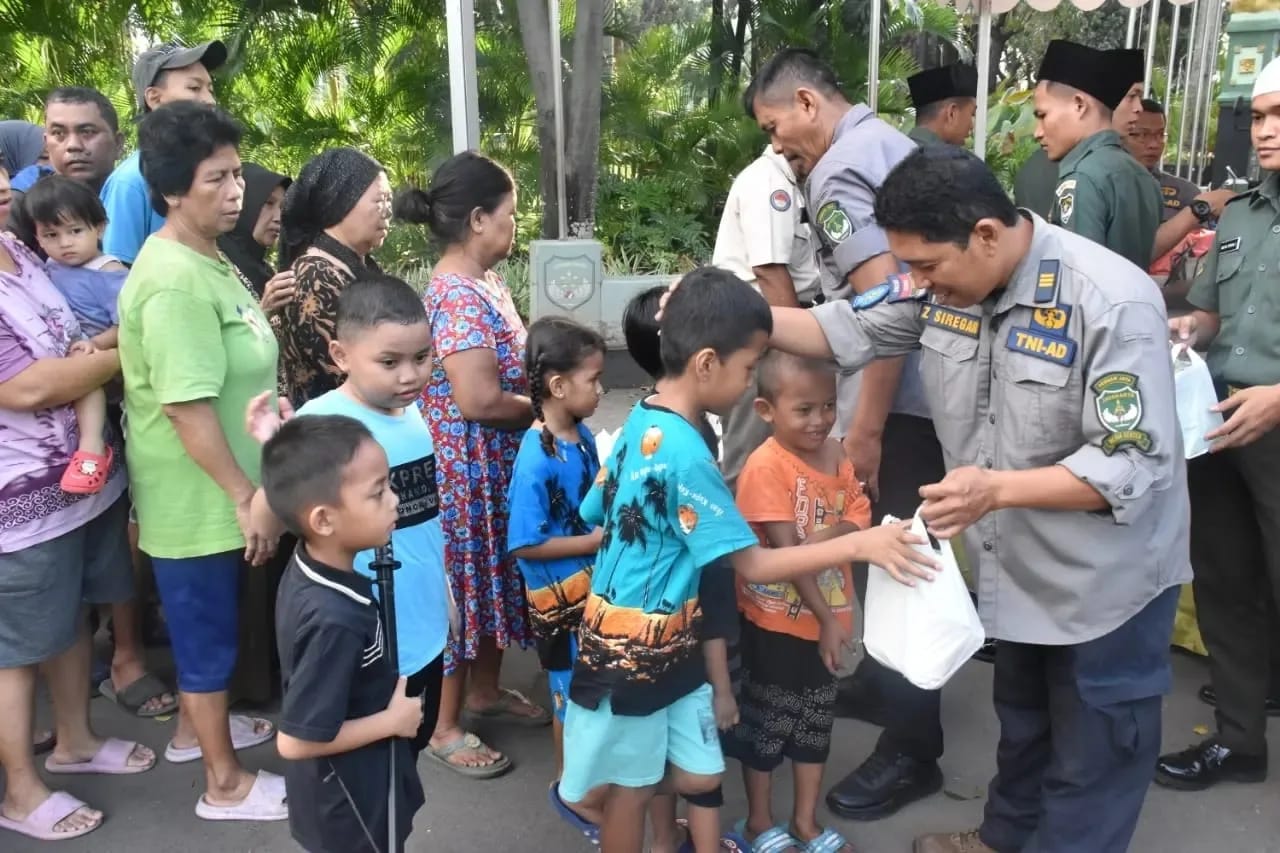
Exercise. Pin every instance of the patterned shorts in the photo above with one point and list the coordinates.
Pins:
(786, 702)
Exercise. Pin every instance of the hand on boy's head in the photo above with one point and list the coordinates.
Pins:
(666, 297)
(261, 421)
(404, 712)
(960, 499)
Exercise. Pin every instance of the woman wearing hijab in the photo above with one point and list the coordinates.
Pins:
(245, 246)
(335, 214)
(21, 144)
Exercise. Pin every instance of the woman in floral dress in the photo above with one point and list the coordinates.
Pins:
(477, 409)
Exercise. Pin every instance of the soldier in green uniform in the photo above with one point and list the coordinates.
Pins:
(945, 100)
(1036, 181)
(1235, 489)
(1103, 193)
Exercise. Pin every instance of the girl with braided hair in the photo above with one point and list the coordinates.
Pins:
(555, 468)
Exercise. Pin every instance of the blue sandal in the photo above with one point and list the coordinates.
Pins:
(775, 839)
(829, 841)
(588, 830)
(731, 841)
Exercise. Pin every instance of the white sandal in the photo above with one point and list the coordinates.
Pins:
(244, 735)
(265, 801)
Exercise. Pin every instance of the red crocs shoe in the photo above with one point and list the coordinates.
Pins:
(86, 473)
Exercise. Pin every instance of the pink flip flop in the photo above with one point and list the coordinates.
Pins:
(265, 801)
(40, 823)
(111, 759)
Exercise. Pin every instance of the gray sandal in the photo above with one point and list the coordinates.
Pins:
(468, 741)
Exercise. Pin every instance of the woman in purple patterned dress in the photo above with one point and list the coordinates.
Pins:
(477, 409)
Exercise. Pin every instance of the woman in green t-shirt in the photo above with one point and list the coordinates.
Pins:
(195, 348)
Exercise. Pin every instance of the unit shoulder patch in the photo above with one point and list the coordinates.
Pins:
(834, 222)
(1066, 194)
(1118, 404)
(780, 201)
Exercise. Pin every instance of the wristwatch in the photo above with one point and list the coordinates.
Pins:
(1202, 209)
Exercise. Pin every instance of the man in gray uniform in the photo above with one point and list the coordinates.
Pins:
(1045, 359)
(847, 151)
(945, 100)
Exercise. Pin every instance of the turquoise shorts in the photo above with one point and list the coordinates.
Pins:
(602, 748)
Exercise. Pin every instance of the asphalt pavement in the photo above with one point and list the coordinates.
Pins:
(154, 811)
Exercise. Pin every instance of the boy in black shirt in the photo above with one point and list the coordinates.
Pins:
(342, 700)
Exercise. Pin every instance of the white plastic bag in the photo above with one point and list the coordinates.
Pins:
(926, 631)
(1193, 388)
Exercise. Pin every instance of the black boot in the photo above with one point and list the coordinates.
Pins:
(882, 785)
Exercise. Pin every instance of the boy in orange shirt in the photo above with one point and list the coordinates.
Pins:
(797, 487)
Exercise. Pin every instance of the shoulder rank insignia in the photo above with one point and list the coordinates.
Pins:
(1047, 281)
(952, 321)
(1050, 347)
(1119, 408)
(895, 288)
(1051, 321)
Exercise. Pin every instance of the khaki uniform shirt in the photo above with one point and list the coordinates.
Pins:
(1107, 196)
(1240, 282)
(1067, 365)
(764, 223)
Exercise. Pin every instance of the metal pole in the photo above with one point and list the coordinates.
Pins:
(464, 104)
(1133, 23)
(1170, 68)
(1211, 63)
(984, 75)
(1152, 26)
(384, 565)
(562, 224)
(873, 58)
(1204, 86)
(1186, 83)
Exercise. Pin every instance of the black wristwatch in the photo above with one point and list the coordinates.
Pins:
(1203, 210)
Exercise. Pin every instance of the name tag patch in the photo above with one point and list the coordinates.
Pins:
(1051, 321)
(1232, 245)
(952, 321)
(1049, 347)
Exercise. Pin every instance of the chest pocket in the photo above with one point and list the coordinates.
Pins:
(1041, 407)
(949, 369)
(1232, 282)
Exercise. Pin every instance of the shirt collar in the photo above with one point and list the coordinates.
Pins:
(1268, 191)
(857, 114)
(354, 586)
(1021, 286)
(1101, 139)
(780, 163)
(922, 133)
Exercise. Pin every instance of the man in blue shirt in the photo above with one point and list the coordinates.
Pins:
(162, 74)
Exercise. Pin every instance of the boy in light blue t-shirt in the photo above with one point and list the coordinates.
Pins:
(383, 345)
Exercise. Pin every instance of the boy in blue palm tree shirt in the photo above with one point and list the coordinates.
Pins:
(640, 718)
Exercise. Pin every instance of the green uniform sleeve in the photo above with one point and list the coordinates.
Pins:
(181, 340)
(1082, 208)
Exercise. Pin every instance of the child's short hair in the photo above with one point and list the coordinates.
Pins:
(375, 298)
(772, 369)
(55, 199)
(711, 309)
(303, 465)
(640, 328)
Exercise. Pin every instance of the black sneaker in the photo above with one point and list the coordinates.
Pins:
(882, 785)
(1209, 696)
(1206, 764)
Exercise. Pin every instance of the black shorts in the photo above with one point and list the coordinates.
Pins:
(786, 703)
(427, 682)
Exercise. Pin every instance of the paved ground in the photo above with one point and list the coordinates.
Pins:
(153, 811)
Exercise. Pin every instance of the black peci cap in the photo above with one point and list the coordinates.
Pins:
(956, 80)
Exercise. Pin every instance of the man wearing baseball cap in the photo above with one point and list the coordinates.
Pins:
(162, 74)
(1102, 193)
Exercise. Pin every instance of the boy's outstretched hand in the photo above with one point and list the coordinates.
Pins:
(891, 547)
(405, 712)
(261, 421)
